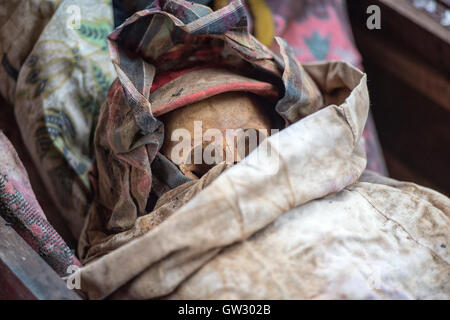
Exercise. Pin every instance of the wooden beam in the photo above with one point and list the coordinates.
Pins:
(409, 28)
(419, 18)
(406, 66)
(24, 274)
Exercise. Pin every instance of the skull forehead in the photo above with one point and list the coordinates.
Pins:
(231, 110)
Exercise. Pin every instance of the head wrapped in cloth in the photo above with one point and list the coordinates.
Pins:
(179, 62)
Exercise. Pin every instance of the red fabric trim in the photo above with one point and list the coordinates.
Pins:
(261, 88)
(165, 77)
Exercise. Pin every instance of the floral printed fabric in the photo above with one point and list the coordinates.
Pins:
(55, 71)
(317, 29)
(60, 88)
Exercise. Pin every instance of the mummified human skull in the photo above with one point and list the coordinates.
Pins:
(226, 125)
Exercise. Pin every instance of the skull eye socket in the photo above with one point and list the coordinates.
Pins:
(225, 127)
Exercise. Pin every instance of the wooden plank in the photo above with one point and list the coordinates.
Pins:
(408, 78)
(409, 28)
(436, 9)
(411, 128)
(402, 172)
(24, 274)
(11, 288)
(406, 66)
(419, 18)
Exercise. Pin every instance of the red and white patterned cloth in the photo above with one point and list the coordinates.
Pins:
(18, 205)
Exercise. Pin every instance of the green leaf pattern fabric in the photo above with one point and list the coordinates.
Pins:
(60, 88)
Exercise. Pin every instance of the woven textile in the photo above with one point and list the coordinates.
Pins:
(20, 208)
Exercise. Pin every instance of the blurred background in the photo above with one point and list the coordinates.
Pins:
(408, 64)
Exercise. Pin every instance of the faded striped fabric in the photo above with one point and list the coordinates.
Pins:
(174, 30)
